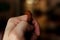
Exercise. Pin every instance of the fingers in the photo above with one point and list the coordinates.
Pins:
(12, 22)
(18, 31)
(16, 27)
(21, 27)
(10, 26)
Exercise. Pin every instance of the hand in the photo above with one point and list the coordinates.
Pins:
(16, 27)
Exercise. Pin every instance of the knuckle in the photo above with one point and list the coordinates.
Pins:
(14, 20)
(10, 19)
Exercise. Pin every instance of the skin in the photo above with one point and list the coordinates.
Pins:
(16, 27)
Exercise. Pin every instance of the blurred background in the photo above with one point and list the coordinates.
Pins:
(46, 12)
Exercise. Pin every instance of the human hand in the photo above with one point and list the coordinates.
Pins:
(16, 27)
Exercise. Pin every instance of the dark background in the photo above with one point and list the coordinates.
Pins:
(13, 8)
